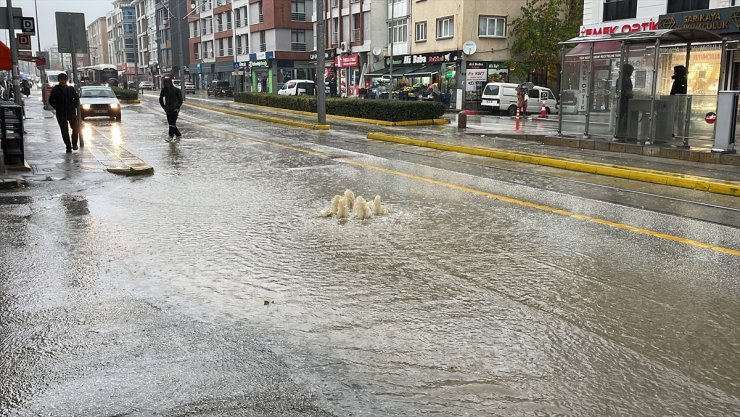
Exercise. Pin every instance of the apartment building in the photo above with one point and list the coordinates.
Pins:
(172, 38)
(146, 40)
(121, 26)
(352, 30)
(97, 41)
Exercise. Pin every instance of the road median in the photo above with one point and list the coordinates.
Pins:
(314, 126)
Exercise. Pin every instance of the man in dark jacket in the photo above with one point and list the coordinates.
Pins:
(170, 98)
(64, 99)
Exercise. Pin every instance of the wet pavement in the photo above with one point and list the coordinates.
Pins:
(490, 288)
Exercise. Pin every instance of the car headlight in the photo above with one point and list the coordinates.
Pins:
(85, 107)
(114, 105)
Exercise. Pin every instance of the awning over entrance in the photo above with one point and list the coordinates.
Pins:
(601, 49)
(398, 71)
(423, 71)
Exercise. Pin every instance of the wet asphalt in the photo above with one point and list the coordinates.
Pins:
(212, 287)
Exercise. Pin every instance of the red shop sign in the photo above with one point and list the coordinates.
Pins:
(346, 61)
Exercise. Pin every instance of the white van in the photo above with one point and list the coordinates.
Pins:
(501, 97)
(298, 88)
(49, 83)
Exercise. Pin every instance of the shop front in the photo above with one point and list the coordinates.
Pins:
(477, 74)
(417, 72)
(621, 86)
(261, 71)
(348, 74)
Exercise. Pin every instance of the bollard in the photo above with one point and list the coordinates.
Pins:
(462, 120)
(516, 125)
(543, 110)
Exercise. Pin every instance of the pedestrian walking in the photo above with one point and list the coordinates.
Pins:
(170, 98)
(65, 100)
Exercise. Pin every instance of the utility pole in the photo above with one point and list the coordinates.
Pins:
(38, 40)
(393, 33)
(320, 63)
(13, 55)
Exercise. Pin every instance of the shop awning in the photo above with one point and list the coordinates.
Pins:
(666, 36)
(600, 49)
(398, 71)
(423, 71)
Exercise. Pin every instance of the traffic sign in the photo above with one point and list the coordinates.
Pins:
(28, 26)
(236, 65)
(24, 42)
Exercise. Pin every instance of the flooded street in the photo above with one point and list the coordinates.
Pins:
(213, 287)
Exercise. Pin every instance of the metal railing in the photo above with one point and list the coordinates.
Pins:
(356, 35)
(298, 17)
(263, 47)
(298, 46)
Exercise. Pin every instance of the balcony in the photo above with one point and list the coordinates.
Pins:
(242, 50)
(298, 17)
(298, 46)
(261, 18)
(263, 47)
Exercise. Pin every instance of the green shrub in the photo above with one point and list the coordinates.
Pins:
(125, 93)
(387, 110)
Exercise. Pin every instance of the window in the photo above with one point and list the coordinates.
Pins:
(260, 15)
(675, 6)
(128, 28)
(130, 57)
(335, 31)
(398, 31)
(445, 27)
(421, 31)
(298, 40)
(129, 14)
(128, 42)
(489, 26)
(263, 42)
(356, 27)
(620, 9)
(298, 10)
(334, 3)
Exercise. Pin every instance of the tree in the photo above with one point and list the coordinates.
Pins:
(543, 24)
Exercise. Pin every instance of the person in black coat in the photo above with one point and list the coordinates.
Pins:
(65, 100)
(170, 98)
(680, 81)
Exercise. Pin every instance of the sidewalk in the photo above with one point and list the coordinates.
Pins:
(535, 137)
(47, 161)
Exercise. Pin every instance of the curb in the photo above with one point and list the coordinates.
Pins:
(262, 118)
(711, 185)
(128, 171)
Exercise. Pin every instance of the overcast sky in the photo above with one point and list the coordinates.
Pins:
(46, 22)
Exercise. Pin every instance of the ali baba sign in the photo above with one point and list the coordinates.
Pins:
(719, 21)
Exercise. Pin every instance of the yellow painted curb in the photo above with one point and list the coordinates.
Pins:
(262, 118)
(638, 174)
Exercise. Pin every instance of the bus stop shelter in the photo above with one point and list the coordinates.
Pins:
(618, 86)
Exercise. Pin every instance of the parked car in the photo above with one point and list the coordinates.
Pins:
(189, 87)
(298, 88)
(99, 101)
(146, 85)
(220, 88)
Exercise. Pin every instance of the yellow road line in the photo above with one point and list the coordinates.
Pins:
(499, 197)
(637, 174)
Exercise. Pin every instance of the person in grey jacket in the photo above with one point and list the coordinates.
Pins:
(170, 98)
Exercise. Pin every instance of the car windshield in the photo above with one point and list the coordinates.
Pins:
(97, 92)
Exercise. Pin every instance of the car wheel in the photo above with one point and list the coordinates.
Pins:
(118, 118)
(512, 110)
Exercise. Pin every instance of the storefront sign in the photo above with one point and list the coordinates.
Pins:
(476, 75)
(346, 61)
(259, 64)
(313, 56)
(622, 26)
(258, 56)
(719, 21)
(423, 59)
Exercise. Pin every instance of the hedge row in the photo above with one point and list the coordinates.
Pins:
(125, 93)
(387, 110)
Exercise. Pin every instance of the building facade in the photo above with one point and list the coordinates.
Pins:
(97, 41)
(121, 26)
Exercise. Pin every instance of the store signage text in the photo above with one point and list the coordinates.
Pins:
(711, 21)
(346, 61)
(428, 58)
(624, 28)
